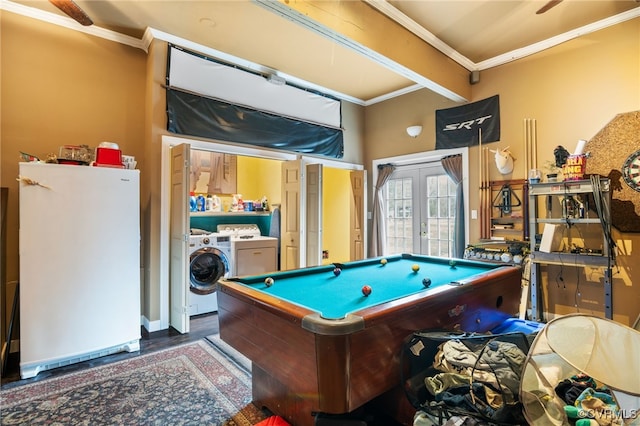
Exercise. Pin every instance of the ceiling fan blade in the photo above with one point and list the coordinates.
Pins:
(548, 6)
(73, 10)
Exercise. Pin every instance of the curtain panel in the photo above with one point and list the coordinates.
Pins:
(452, 165)
(193, 115)
(378, 222)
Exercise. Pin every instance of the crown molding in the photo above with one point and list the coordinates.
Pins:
(559, 39)
(382, 5)
(71, 24)
(390, 11)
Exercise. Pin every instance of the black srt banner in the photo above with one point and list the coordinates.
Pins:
(458, 127)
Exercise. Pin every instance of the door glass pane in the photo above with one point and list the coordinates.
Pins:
(432, 186)
(443, 207)
(434, 213)
(433, 207)
(399, 215)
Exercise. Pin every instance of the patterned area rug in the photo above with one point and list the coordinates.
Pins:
(192, 384)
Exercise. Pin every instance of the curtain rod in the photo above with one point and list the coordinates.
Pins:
(418, 163)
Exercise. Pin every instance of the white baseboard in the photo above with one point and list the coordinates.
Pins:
(151, 326)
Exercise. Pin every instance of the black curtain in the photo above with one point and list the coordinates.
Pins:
(193, 115)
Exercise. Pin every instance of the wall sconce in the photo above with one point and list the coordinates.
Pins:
(414, 131)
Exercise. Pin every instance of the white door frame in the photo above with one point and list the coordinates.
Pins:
(428, 156)
(165, 197)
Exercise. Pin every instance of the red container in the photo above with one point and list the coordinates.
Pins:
(108, 157)
(575, 167)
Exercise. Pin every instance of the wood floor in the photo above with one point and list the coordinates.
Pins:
(200, 326)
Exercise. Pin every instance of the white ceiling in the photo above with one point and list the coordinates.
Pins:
(477, 34)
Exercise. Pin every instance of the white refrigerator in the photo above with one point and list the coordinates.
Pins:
(79, 264)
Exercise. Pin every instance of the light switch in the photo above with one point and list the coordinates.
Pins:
(474, 214)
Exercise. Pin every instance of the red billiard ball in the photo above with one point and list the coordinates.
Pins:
(268, 281)
(366, 290)
(337, 271)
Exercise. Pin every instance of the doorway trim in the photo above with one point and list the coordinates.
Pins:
(430, 156)
(165, 197)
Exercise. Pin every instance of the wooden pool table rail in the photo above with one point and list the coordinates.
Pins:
(297, 371)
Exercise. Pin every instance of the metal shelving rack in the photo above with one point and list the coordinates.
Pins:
(600, 190)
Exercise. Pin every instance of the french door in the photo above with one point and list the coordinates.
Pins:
(421, 210)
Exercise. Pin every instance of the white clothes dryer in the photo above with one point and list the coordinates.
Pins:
(251, 253)
(209, 261)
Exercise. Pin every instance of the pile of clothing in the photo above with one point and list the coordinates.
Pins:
(458, 378)
(588, 403)
(482, 379)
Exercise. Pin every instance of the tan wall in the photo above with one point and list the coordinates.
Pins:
(155, 127)
(61, 87)
(572, 90)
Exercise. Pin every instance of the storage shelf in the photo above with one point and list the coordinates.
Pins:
(254, 213)
(570, 259)
(566, 189)
(569, 221)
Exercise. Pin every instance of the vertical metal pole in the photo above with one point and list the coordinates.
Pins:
(535, 267)
(608, 299)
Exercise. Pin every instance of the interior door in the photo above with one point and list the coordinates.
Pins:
(292, 222)
(357, 215)
(179, 249)
(314, 214)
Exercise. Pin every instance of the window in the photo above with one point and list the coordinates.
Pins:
(399, 197)
(429, 228)
(441, 212)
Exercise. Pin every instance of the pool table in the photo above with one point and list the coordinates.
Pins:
(318, 344)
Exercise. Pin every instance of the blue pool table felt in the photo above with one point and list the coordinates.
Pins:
(334, 296)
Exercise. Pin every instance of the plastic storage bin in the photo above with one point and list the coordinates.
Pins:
(513, 325)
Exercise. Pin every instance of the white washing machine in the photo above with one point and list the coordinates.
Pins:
(251, 253)
(209, 261)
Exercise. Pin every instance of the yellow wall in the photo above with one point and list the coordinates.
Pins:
(336, 196)
(258, 177)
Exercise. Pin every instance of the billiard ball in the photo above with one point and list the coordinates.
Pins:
(268, 281)
(383, 262)
(336, 271)
(452, 263)
(426, 282)
(366, 290)
(415, 268)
